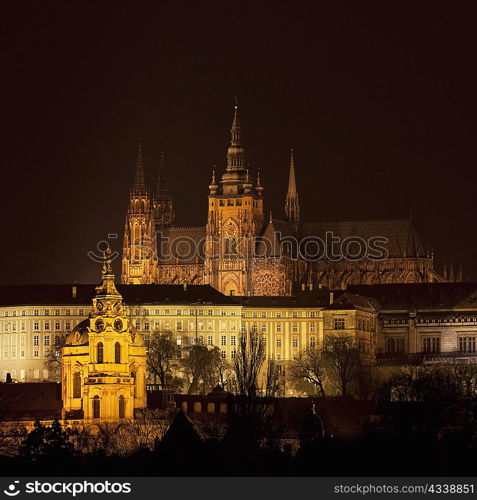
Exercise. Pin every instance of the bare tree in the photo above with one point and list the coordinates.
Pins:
(162, 355)
(254, 383)
(225, 369)
(311, 367)
(201, 367)
(248, 363)
(53, 358)
(144, 431)
(342, 361)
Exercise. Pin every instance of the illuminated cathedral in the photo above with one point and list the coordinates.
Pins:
(240, 251)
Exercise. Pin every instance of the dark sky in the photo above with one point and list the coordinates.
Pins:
(377, 99)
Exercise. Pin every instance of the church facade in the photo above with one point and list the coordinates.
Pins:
(239, 251)
(104, 361)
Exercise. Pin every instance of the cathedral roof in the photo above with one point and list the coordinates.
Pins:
(403, 240)
(402, 237)
(182, 245)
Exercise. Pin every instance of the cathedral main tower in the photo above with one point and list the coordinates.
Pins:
(235, 218)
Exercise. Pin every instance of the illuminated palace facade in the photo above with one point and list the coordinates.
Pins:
(429, 322)
(239, 251)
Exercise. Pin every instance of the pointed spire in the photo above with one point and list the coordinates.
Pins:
(291, 178)
(236, 124)
(213, 184)
(444, 272)
(292, 206)
(162, 202)
(162, 192)
(139, 188)
(235, 153)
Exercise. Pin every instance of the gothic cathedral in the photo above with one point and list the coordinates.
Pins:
(241, 252)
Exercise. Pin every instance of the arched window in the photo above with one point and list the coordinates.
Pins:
(100, 352)
(122, 407)
(96, 407)
(77, 385)
(117, 352)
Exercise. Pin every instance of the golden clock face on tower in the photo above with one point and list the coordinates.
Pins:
(99, 325)
(118, 325)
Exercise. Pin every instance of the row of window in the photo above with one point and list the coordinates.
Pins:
(280, 314)
(278, 327)
(21, 374)
(180, 312)
(210, 312)
(47, 325)
(46, 312)
(165, 312)
(230, 202)
(431, 344)
(402, 321)
(447, 320)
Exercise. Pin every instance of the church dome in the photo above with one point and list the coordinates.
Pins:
(79, 335)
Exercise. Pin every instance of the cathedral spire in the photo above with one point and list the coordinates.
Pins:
(292, 206)
(235, 153)
(162, 192)
(163, 208)
(139, 188)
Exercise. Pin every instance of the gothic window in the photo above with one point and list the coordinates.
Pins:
(100, 352)
(117, 352)
(122, 407)
(268, 284)
(77, 385)
(96, 407)
(230, 239)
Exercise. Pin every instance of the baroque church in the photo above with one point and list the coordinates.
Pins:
(239, 251)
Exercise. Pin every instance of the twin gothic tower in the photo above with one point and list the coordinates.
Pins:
(239, 252)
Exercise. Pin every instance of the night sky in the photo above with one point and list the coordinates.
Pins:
(377, 100)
